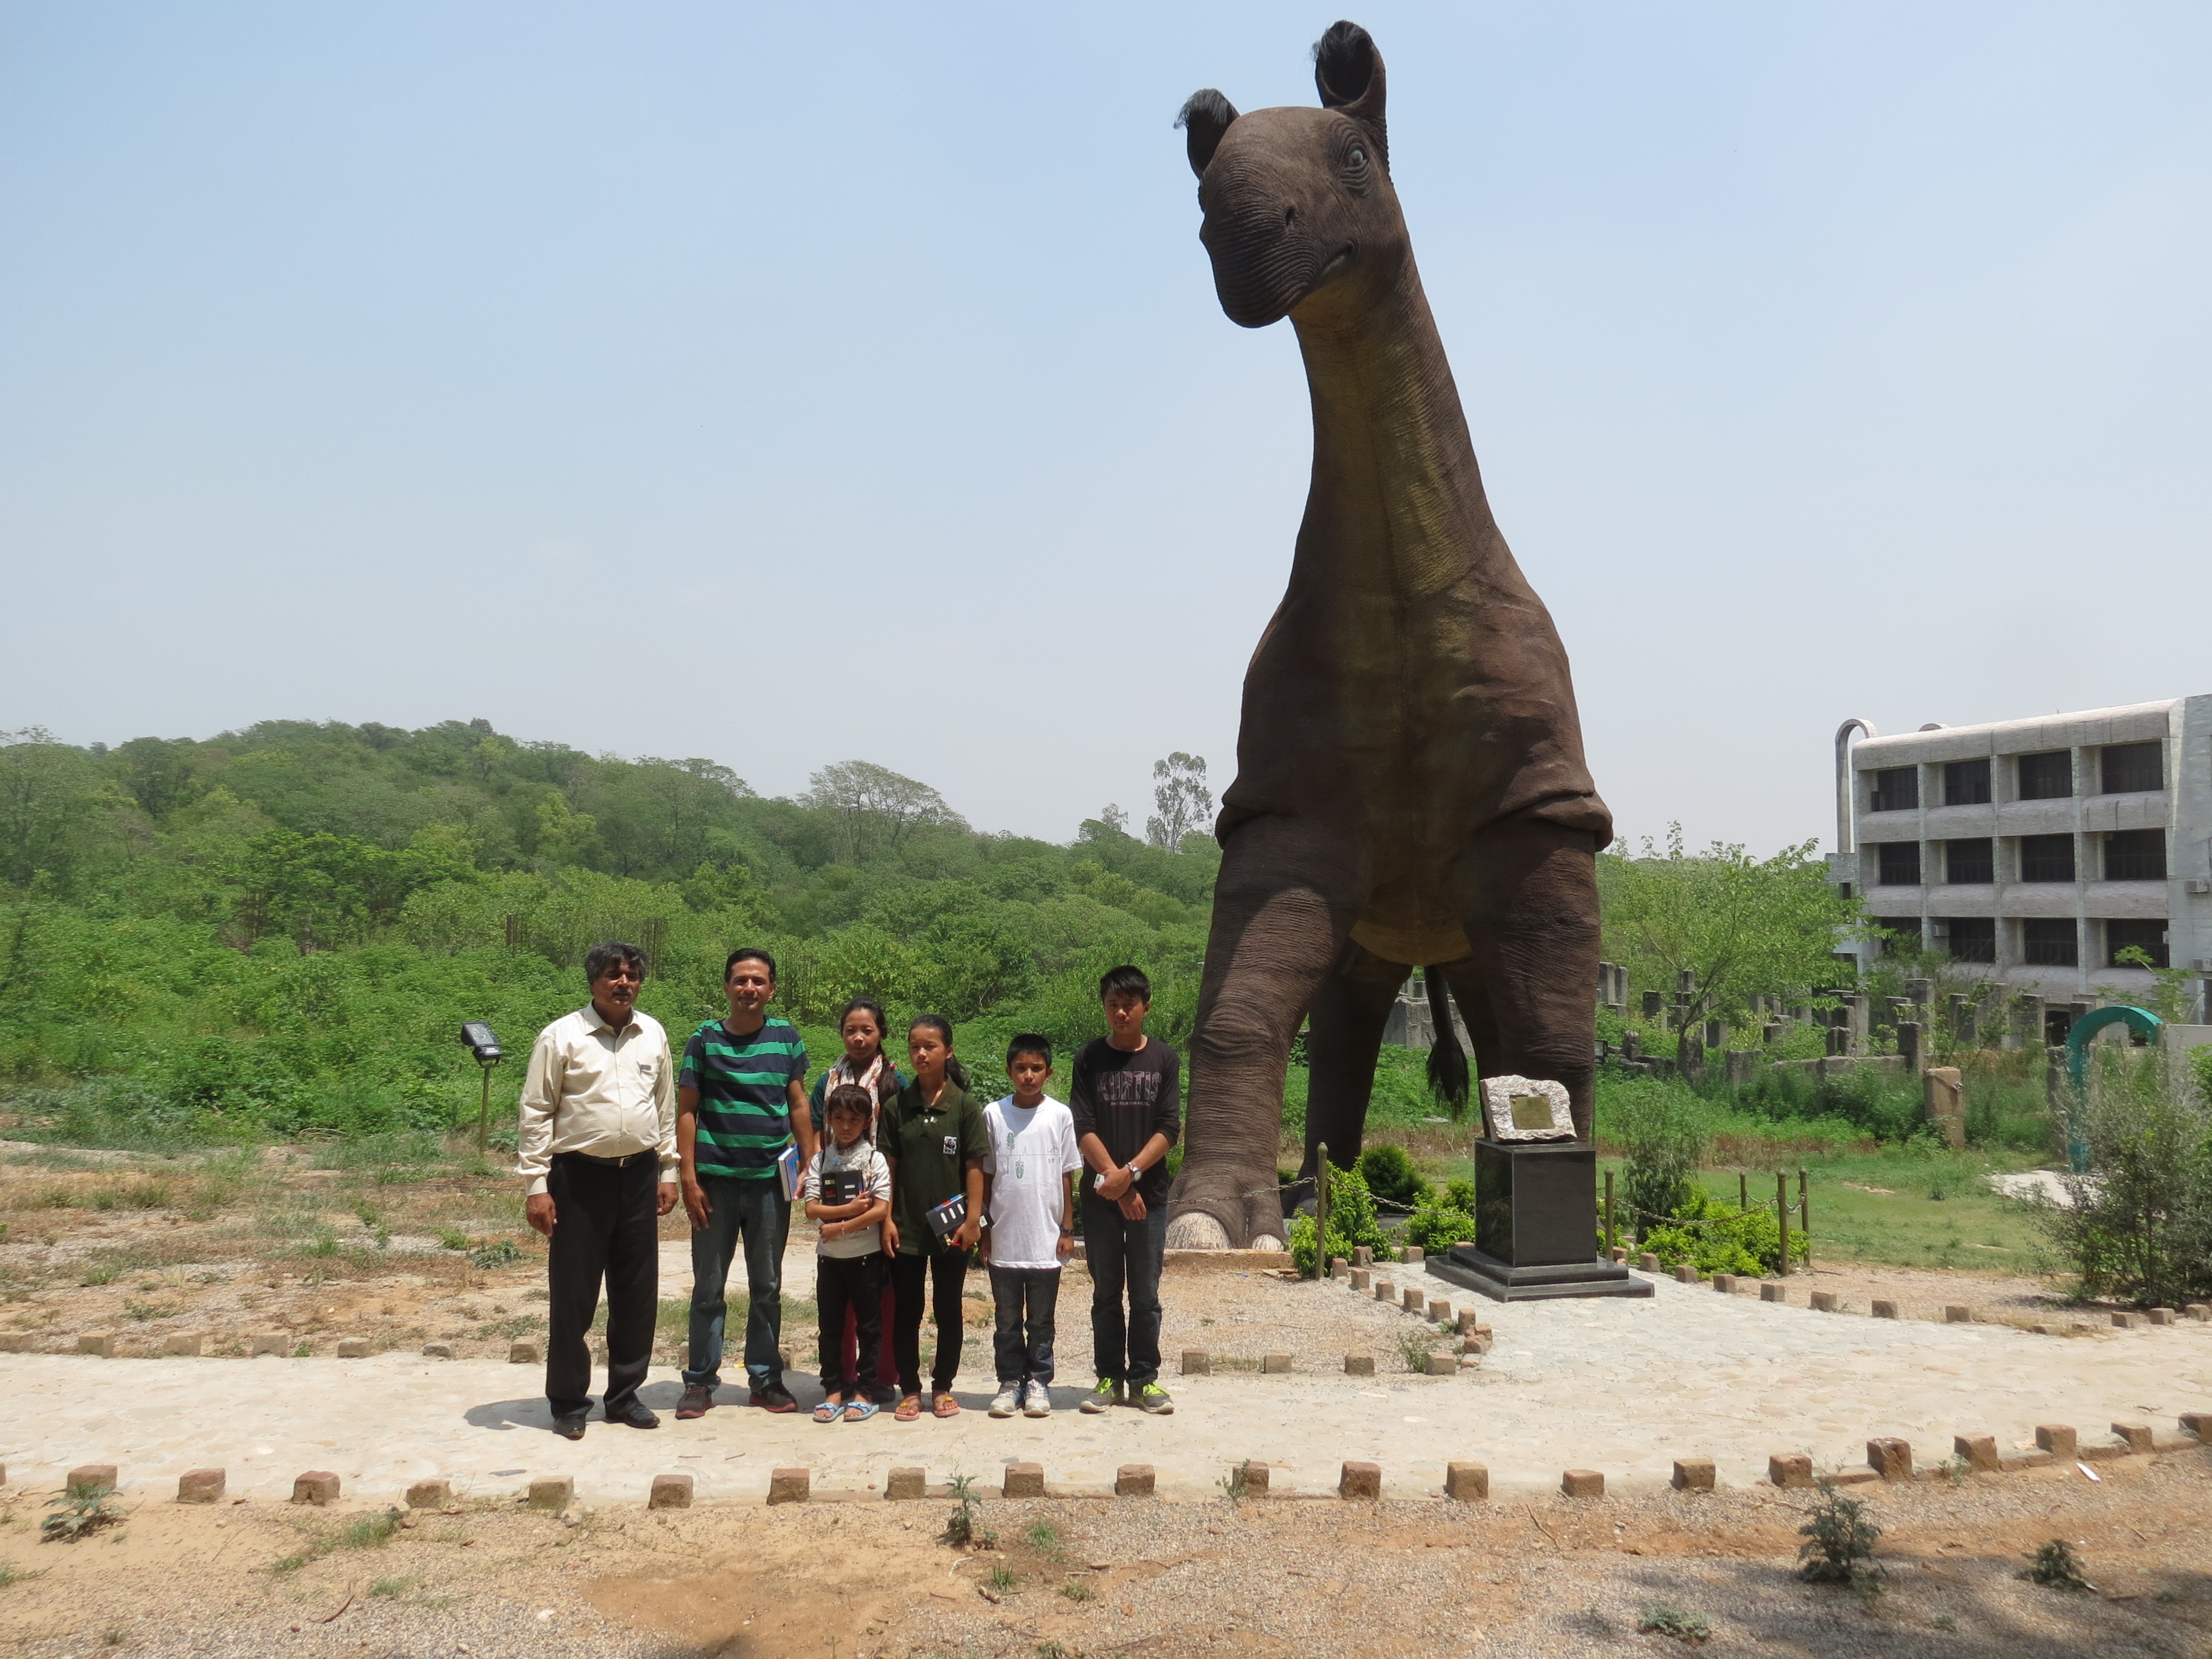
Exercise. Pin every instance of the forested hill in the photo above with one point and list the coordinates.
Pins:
(281, 928)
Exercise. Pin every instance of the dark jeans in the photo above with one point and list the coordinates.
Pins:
(886, 1356)
(1026, 1298)
(756, 1212)
(1124, 1252)
(946, 1268)
(854, 1285)
(606, 1227)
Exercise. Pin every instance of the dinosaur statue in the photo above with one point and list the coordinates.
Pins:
(1410, 785)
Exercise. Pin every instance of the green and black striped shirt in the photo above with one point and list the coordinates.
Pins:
(745, 1095)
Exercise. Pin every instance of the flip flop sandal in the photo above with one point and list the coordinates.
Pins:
(859, 1411)
(909, 1409)
(827, 1412)
(945, 1406)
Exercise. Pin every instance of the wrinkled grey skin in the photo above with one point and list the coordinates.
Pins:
(1410, 786)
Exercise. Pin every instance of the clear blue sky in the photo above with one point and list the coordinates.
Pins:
(781, 385)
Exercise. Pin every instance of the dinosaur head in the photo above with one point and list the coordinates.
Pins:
(1298, 201)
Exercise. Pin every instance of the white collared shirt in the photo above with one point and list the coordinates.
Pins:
(593, 1089)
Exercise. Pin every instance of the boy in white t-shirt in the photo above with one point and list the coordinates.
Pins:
(1028, 1203)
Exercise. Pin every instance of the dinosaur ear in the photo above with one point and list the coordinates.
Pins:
(1348, 74)
(1206, 115)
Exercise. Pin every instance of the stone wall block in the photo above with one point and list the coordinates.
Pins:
(1693, 1474)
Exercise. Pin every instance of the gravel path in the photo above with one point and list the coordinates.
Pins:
(1623, 1387)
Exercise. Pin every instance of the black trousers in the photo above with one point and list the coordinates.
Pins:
(854, 1283)
(947, 1268)
(606, 1227)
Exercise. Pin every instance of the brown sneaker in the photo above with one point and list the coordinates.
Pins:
(698, 1400)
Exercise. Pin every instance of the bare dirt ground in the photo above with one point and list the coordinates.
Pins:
(319, 1243)
(1066, 1578)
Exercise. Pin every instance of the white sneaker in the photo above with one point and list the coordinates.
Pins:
(1036, 1401)
(1009, 1400)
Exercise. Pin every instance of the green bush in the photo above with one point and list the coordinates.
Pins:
(1352, 1223)
(1660, 1126)
(2139, 1226)
(1390, 1175)
(1435, 1228)
(1729, 1241)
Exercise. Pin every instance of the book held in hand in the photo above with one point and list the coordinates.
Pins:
(790, 1173)
(945, 1219)
(842, 1186)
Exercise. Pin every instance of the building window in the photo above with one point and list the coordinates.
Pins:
(1970, 863)
(1970, 939)
(1900, 865)
(2136, 855)
(1899, 935)
(1966, 783)
(2051, 944)
(2133, 769)
(2046, 858)
(2149, 937)
(1896, 788)
(2048, 776)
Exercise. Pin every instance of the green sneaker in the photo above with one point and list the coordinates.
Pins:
(1154, 1399)
(1108, 1393)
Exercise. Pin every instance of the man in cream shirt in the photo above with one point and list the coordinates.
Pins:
(597, 1150)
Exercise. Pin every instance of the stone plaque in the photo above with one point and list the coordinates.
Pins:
(1526, 1109)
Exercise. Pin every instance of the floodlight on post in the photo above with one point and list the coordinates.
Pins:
(478, 1036)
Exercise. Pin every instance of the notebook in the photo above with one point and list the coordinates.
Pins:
(945, 1219)
(791, 1172)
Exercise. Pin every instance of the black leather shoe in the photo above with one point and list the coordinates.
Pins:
(636, 1416)
(569, 1426)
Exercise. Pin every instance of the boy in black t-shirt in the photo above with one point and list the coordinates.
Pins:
(1127, 1103)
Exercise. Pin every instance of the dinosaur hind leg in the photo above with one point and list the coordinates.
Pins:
(1343, 1039)
(1528, 892)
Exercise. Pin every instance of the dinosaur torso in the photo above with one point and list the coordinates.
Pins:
(1410, 686)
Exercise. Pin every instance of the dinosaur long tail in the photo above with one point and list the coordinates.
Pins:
(1448, 1079)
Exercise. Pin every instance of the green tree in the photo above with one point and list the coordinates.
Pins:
(1185, 803)
(56, 806)
(1742, 927)
(874, 809)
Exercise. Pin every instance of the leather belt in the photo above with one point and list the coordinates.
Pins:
(609, 1163)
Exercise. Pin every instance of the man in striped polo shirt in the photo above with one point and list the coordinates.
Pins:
(740, 1102)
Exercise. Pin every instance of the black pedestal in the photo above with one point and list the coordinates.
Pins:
(1535, 1226)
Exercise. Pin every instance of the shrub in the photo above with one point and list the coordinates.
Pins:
(1352, 1223)
(2055, 1566)
(1390, 1175)
(1660, 1127)
(2140, 1225)
(1838, 1540)
(1726, 1240)
(1436, 1228)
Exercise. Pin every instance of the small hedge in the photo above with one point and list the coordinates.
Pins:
(1727, 1240)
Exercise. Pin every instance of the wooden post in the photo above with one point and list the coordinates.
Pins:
(1782, 1215)
(1805, 1211)
(484, 1112)
(1742, 1193)
(1321, 1211)
(1612, 1239)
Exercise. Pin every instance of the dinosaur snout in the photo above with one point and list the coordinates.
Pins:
(1263, 253)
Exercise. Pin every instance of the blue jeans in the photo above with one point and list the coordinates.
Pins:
(757, 1213)
(1124, 1252)
(1025, 1300)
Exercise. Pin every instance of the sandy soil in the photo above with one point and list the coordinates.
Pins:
(1066, 1578)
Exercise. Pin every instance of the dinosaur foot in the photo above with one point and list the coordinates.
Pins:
(1246, 1216)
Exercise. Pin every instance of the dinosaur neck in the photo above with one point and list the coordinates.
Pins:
(1396, 503)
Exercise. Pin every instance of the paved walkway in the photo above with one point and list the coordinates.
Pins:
(1624, 1387)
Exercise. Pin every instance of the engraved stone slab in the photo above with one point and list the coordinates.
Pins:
(1526, 1109)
